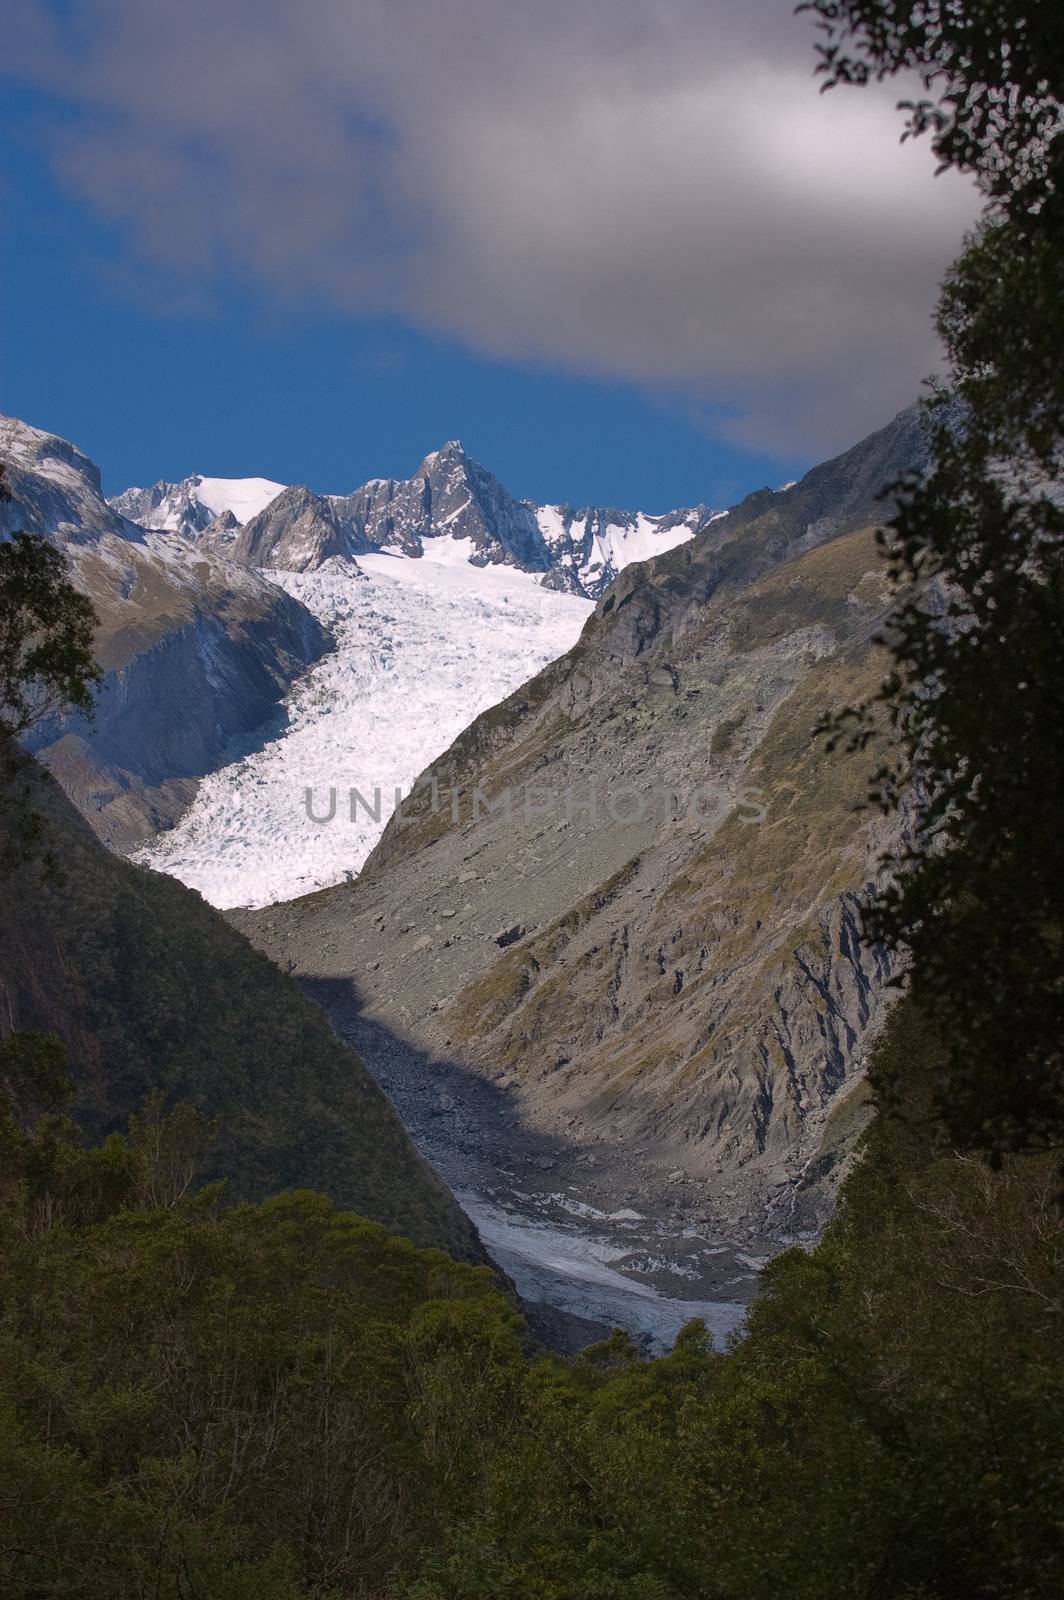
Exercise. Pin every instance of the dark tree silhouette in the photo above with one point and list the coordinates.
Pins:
(976, 697)
(46, 634)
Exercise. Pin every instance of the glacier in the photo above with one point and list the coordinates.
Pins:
(423, 646)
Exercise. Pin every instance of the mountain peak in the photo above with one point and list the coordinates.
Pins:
(48, 454)
(195, 502)
(451, 451)
(451, 495)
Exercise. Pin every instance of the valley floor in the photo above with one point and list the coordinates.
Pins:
(569, 1227)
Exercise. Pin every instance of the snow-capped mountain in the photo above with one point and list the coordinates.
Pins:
(590, 547)
(193, 505)
(55, 489)
(195, 649)
(450, 496)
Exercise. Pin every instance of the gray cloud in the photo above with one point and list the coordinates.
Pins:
(652, 193)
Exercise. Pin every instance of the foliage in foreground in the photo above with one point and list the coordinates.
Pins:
(977, 550)
(46, 668)
(281, 1401)
(46, 634)
(268, 1401)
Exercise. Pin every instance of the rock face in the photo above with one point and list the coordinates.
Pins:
(654, 865)
(196, 650)
(590, 547)
(450, 497)
(298, 532)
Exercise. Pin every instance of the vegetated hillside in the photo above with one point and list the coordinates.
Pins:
(685, 985)
(151, 989)
(196, 650)
(278, 1402)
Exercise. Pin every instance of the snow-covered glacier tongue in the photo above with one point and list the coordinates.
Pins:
(422, 648)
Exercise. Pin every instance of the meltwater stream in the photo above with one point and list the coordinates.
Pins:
(571, 1270)
(569, 1228)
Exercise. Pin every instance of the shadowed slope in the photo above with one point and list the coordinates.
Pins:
(152, 989)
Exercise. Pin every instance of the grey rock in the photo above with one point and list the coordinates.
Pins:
(197, 650)
(298, 532)
(733, 1080)
(449, 496)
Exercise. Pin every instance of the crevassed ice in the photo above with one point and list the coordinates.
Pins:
(422, 648)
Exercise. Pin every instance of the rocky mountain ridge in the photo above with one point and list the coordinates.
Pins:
(196, 649)
(450, 496)
(197, 504)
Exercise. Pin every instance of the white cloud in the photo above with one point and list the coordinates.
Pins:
(654, 193)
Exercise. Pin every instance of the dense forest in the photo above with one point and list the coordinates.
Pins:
(204, 1396)
(279, 1400)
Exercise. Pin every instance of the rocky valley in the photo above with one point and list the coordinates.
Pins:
(531, 1001)
(608, 955)
(604, 956)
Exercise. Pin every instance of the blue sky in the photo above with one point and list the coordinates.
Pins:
(242, 389)
(263, 239)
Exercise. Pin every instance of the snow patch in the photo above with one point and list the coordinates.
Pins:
(244, 497)
(616, 545)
